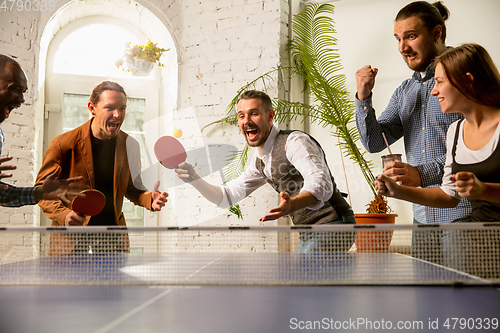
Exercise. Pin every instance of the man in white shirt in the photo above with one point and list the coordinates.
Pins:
(294, 164)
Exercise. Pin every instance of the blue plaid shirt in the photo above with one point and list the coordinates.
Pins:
(15, 196)
(416, 116)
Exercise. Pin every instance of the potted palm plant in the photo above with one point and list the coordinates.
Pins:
(314, 58)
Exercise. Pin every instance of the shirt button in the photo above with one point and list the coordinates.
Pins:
(364, 107)
(423, 106)
(424, 83)
(423, 128)
(423, 150)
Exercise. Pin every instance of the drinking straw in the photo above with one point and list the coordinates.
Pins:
(387, 143)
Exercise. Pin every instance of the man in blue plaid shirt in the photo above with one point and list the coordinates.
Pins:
(13, 85)
(415, 115)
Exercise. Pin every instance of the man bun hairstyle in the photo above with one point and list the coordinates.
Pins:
(431, 14)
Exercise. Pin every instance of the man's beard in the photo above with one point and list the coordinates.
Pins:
(261, 140)
(426, 59)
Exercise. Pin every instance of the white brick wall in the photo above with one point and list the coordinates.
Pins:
(17, 38)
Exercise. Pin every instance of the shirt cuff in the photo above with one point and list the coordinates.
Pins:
(225, 202)
(450, 192)
(320, 203)
(363, 105)
(30, 197)
(428, 176)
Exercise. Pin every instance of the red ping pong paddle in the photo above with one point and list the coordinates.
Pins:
(169, 151)
(92, 204)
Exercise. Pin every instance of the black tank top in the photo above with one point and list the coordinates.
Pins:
(487, 171)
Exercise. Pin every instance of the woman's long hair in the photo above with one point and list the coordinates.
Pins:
(484, 86)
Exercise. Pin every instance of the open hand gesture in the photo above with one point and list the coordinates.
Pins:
(159, 198)
(284, 208)
(53, 189)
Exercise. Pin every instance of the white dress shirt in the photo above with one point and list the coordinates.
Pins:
(302, 152)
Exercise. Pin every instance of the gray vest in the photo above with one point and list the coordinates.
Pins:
(286, 178)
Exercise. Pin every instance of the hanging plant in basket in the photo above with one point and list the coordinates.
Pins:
(139, 59)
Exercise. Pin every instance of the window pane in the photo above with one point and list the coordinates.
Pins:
(93, 50)
(133, 126)
(134, 121)
(75, 111)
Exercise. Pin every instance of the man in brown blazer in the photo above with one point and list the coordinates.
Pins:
(100, 152)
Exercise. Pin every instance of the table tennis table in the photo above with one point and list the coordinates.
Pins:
(243, 292)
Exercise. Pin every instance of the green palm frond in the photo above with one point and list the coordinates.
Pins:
(233, 169)
(238, 160)
(314, 49)
(314, 58)
(275, 77)
(286, 111)
(235, 209)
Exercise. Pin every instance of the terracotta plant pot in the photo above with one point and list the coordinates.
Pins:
(374, 241)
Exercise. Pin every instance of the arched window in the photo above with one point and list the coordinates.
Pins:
(92, 50)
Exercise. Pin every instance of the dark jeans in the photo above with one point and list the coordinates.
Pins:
(316, 242)
(426, 244)
(476, 252)
(448, 248)
(101, 243)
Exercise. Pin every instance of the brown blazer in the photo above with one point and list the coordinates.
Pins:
(73, 152)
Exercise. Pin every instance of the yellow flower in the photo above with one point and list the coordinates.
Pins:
(149, 51)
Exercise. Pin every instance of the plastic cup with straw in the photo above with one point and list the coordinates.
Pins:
(391, 157)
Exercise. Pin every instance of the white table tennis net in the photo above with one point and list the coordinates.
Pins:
(466, 253)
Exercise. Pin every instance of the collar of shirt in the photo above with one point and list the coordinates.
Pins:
(429, 74)
(269, 144)
(265, 154)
